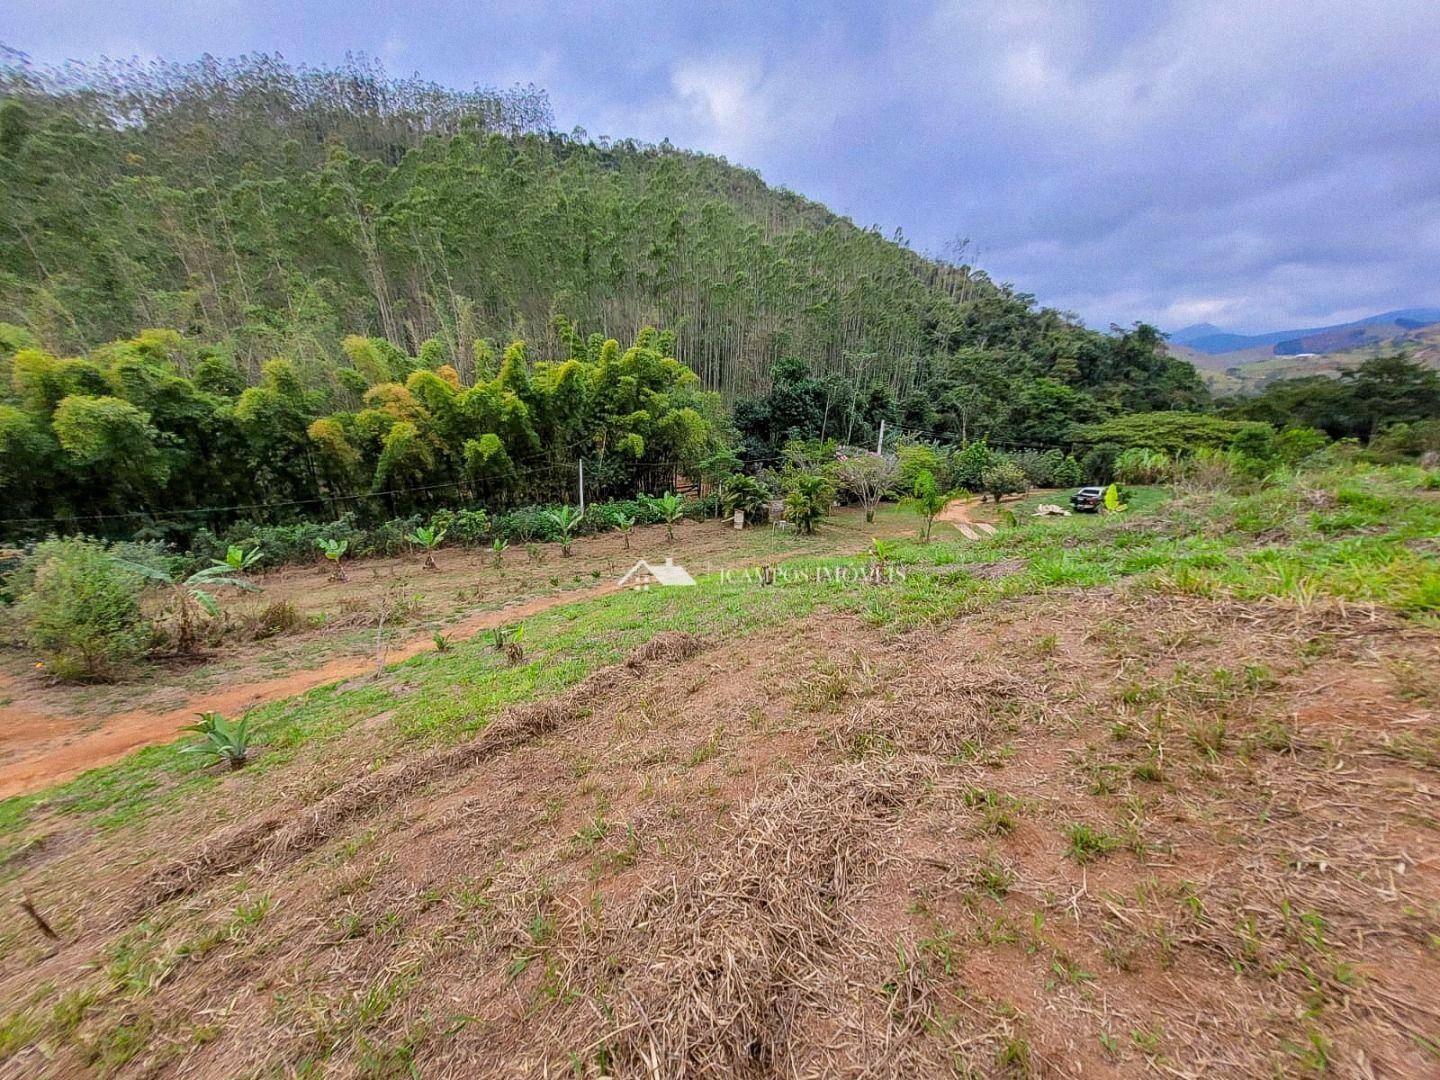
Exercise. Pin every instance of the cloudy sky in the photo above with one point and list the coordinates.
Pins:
(1257, 164)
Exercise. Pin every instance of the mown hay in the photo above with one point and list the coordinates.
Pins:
(721, 969)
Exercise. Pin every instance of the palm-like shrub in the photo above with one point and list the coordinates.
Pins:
(670, 508)
(195, 594)
(747, 494)
(506, 639)
(427, 537)
(808, 499)
(565, 522)
(223, 740)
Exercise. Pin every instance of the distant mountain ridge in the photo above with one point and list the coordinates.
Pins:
(1212, 340)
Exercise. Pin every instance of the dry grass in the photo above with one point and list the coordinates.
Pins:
(282, 836)
(870, 870)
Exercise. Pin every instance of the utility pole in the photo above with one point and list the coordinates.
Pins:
(582, 485)
(880, 442)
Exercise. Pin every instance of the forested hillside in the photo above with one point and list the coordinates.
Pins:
(201, 263)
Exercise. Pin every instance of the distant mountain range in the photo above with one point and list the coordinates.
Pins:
(1214, 341)
(1231, 362)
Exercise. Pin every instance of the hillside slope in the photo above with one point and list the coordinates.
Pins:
(276, 209)
(818, 828)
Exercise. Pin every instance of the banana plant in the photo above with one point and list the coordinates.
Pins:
(238, 559)
(224, 741)
(506, 639)
(195, 594)
(624, 522)
(429, 538)
(497, 549)
(334, 550)
(566, 521)
(670, 507)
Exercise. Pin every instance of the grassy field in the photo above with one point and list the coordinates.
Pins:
(1153, 792)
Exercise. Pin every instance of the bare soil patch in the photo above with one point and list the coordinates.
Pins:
(1074, 835)
(50, 732)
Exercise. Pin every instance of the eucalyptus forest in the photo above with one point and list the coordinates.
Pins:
(227, 283)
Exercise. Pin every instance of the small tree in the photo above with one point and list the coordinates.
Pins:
(866, 477)
(927, 499)
(969, 465)
(193, 594)
(334, 551)
(1003, 478)
(670, 507)
(497, 549)
(566, 520)
(427, 537)
(808, 500)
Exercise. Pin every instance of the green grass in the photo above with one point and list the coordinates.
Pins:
(1270, 542)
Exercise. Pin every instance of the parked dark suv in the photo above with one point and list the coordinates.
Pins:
(1088, 500)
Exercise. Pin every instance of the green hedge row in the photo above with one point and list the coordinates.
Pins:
(299, 542)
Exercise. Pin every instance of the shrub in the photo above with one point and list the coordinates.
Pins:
(1207, 469)
(223, 740)
(912, 460)
(1141, 465)
(969, 465)
(747, 494)
(280, 617)
(1296, 444)
(808, 498)
(1003, 478)
(82, 611)
(1041, 468)
(1098, 465)
(1069, 473)
(468, 527)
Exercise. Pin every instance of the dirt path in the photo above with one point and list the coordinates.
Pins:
(960, 513)
(60, 752)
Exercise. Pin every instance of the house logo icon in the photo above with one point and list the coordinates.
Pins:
(644, 574)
